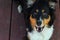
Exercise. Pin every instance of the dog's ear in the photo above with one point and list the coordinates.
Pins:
(52, 4)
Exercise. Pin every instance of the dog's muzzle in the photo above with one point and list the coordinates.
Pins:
(39, 29)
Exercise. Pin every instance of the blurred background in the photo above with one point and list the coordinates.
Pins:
(12, 24)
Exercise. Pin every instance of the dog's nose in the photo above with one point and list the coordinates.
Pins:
(39, 23)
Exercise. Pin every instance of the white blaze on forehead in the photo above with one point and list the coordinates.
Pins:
(40, 19)
(41, 22)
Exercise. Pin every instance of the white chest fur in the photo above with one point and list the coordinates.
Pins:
(44, 35)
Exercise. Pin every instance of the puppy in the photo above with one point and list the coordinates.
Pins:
(39, 17)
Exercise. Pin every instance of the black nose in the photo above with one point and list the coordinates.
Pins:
(39, 23)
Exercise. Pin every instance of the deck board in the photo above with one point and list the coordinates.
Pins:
(5, 9)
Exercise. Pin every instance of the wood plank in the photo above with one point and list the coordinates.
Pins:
(56, 35)
(18, 25)
(5, 10)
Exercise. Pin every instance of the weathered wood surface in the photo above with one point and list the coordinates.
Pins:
(5, 10)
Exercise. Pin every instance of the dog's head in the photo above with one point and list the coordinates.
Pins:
(40, 19)
(42, 16)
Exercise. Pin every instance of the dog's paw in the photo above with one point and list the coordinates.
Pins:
(19, 8)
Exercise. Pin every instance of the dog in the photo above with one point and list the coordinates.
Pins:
(39, 17)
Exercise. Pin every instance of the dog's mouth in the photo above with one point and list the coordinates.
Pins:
(39, 28)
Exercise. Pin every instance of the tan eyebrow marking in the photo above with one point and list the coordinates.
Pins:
(37, 10)
(43, 10)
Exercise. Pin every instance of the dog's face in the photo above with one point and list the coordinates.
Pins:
(38, 22)
(40, 18)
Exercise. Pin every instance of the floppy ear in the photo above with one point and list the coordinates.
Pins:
(52, 4)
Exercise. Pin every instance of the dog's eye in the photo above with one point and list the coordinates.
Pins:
(45, 16)
(33, 15)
